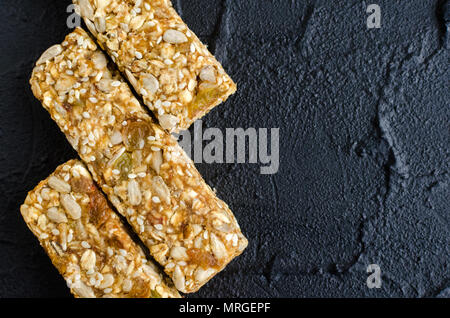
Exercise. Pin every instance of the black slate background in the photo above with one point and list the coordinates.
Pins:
(364, 151)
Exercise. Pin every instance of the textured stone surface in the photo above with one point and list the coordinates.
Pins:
(364, 154)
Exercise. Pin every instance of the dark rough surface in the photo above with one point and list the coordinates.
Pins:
(364, 154)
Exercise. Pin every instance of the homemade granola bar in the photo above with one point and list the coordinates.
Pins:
(86, 241)
(142, 169)
(176, 75)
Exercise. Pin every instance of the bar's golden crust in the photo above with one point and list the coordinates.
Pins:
(176, 75)
(86, 241)
(142, 169)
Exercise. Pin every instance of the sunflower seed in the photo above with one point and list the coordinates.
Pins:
(127, 285)
(174, 37)
(217, 247)
(150, 83)
(202, 275)
(108, 281)
(100, 24)
(168, 121)
(161, 188)
(134, 193)
(100, 61)
(91, 27)
(86, 9)
(116, 138)
(137, 22)
(208, 74)
(71, 206)
(156, 161)
(178, 278)
(82, 290)
(56, 215)
(52, 52)
(59, 185)
(179, 253)
(131, 78)
(88, 260)
(102, 4)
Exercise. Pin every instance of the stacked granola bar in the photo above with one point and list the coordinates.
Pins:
(86, 240)
(140, 167)
(176, 75)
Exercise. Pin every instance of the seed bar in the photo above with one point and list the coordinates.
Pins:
(142, 169)
(86, 241)
(176, 75)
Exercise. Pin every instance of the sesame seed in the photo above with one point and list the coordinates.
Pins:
(115, 84)
(93, 100)
(132, 176)
(107, 290)
(116, 172)
(168, 62)
(86, 115)
(99, 76)
(170, 265)
(142, 174)
(138, 55)
(144, 92)
(156, 200)
(159, 227)
(85, 244)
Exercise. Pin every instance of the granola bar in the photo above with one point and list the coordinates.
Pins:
(145, 173)
(86, 241)
(176, 75)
